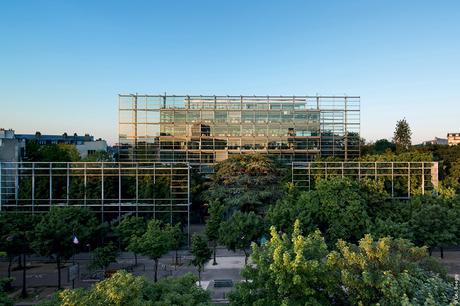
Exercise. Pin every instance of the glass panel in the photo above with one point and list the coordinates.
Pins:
(248, 130)
(274, 131)
(247, 144)
(207, 144)
(141, 130)
(154, 102)
(247, 116)
(220, 130)
(300, 116)
(260, 145)
(166, 130)
(221, 116)
(180, 130)
(234, 117)
(166, 116)
(286, 116)
(220, 144)
(261, 116)
(234, 130)
(261, 130)
(207, 115)
(153, 130)
(193, 116)
(126, 102)
(126, 116)
(274, 116)
(234, 144)
(179, 116)
(126, 130)
(153, 116)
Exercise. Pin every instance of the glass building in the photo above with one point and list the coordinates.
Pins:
(203, 130)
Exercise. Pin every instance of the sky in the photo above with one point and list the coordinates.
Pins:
(63, 63)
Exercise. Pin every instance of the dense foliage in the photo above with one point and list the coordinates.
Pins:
(239, 231)
(245, 183)
(300, 270)
(200, 252)
(131, 226)
(344, 209)
(126, 289)
(55, 231)
(402, 135)
(154, 243)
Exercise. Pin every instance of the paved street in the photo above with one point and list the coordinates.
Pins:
(42, 272)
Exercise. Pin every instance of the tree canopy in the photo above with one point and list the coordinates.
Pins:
(300, 270)
(53, 234)
(123, 288)
(154, 243)
(239, 231)
(402, 135)
(245, 182)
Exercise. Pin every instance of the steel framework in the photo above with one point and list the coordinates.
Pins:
(400, 179)
(203, 130)
(111, 189)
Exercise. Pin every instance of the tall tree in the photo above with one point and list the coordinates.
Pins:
(430, 223)
(128, 227)
(177, 240)
(288, 270)
(103, 256)
(17, 232)
(299, 270)
(238, 232)
(246, 182)
(154, 243)
(53, 234)
(215, 211)
(402, 135)
(201, 253)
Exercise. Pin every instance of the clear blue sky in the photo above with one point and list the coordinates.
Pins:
(62, 63)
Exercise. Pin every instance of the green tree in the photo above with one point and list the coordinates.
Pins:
(16, 234)
(288, 270)
(383, 145)
(299, 270)
(126, 289)
(177, 240)
(201, 253)
(154, 243)
(212, 226)
(99, 156)
(339, 208)
(402, 135)
(53, 234)
(103, 256)
(246, 182)
(52, 152)
(128, 227)
(430, 222)
(388, 272)
(240, 230)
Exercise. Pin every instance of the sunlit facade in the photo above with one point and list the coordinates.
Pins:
(203, 130)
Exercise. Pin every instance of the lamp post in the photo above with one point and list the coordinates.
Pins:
(74, 243)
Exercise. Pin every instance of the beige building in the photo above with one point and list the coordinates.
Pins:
(89, 148)
(453, 139)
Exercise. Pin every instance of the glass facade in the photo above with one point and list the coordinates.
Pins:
(203, 130)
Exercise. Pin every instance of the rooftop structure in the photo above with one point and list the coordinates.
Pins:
(56, 139)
